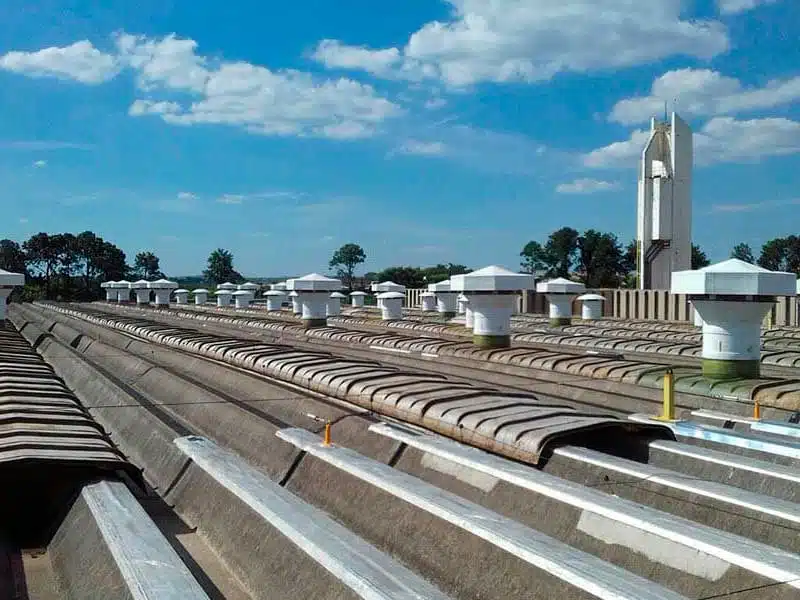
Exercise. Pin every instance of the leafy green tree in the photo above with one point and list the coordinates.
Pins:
(109, 263)
(699, 258)
(562, 250)
(411, 277)
(42, 257)
(743, 252)
(12, 258)
(629, 261)
(441, 272)
(781, 254)
(220, 268)
(87, 247)
(600, 259)
(535, 259)
(146, 265)
(345, 260)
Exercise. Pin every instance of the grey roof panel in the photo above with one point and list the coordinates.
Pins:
(577, 568)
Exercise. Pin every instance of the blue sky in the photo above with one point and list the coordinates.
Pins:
(425, 130)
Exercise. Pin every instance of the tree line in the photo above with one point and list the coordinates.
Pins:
(65, 266)
(597, 258)
(346, 259)
(779, 254)
(69, 267)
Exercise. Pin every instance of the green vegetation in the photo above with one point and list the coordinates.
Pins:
(596, 258)
(699, 258)
(781, 254)
(70, 267)
(417, 277)
(146, 266)
(220, 268)
(743, 252)
(63, 266)
(345, 260)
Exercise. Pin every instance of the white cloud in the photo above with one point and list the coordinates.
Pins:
(479, 149)
(753, 206)
(532, 40)
(148, 107)
(337, 55)
(435, 103)
(40, 164)
(704, 92)
(183, 202)
(23, 220)
(725, 139)
(249, 96)
(618, 154)
(732, 7)
(41, 145)
(586, 186)
(722, 139)
(183, 87)
(80, 61)
(168, 62)
(422, 148)
(345, 130)
(269, 195)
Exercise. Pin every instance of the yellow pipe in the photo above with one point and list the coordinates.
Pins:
(327, 439)
(668, 410)
(756, 410)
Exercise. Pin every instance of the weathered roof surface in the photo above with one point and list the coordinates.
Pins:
(520, 425)
(40, 419)
(474, 523)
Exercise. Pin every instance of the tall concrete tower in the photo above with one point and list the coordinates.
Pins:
(664, 218)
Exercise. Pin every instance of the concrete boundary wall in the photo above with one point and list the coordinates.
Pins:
(657, 305)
